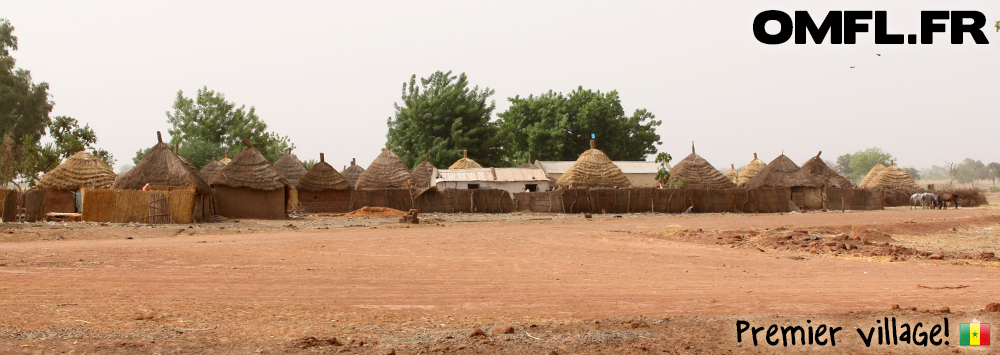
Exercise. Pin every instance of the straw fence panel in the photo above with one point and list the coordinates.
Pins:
(853, 199)
(161, 205)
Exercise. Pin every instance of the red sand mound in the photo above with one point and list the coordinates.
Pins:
(375, 212)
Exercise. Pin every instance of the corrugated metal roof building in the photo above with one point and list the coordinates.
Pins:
(510, 179)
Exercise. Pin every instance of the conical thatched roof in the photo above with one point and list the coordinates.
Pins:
(892, 177)
(162, 167)
(528, 166)
(225, 160)
(752, 169)
(322, 177)
(817, 167)
(731, 174)
(871, 175)
(465, 162)
(593, 169)
(422, 174)
(81, 170)
(250, 170)
(698, 173)
(351, 173)
(387, 171)
(212, 168)
(290, 167)
(782, 172)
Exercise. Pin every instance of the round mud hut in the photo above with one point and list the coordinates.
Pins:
(161, 167)
(62, 184)
(212, 168)
(465, 162)
(423, 174)
(351, 173)
(871, 175)
(290, 167)
(732, 174)
(752, 169)
(387, 171)
(323, 189)
(593, 169)
(817, 167)
(806, 190)
(892, 177)
(694, 172)
(249, 187)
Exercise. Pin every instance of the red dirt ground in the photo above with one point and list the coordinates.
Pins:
(403, 287)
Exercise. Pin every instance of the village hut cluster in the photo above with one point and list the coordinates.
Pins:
(165, 187)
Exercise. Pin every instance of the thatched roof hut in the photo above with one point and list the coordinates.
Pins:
(423, 173)
(817, 167)
(251, 170)
(871, 174)
(79, 171)
(465, 162)
(892, 177)
(162, 167)
(593, 169)
(696, 173)
(212, 168)
(290, 167)
(782, 172)
(752, 169)
(249, 187)
(731, 174)
(351, 173)
(387, 171)
(528, 166)
(322, 177)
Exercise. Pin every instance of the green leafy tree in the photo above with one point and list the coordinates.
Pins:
(862, 161)
(24, 111)
(310, 163)
(662, 175)
(207, 124)
(69, 138)
(441, 116)
(969, 171)
(553, 126)
(913, 173)
(843, 166)
(993, 171)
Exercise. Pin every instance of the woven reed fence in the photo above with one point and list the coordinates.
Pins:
(446, 201)
(159, 206)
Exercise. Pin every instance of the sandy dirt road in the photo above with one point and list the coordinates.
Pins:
(571, 270)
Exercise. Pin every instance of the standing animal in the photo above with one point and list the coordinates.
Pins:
(915, 199)
(928, 200)
(944, 198)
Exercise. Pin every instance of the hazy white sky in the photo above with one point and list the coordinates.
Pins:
(327, 74)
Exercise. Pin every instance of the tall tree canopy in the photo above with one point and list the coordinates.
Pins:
(207, 124)
(970, 170)
(553, 126)
(862, 161)
(442, 116)
(24, 112)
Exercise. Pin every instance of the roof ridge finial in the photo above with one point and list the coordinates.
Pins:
(321, 158)
(593, 144)
(159, 137)
(465, 153)
(692, 147)
(817, 154)
(246, 142)
(754, 156)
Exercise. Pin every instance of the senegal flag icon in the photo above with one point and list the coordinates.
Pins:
(975, 334)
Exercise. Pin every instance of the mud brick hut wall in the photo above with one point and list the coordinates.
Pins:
(325, 201)
(59, 201)
(249, 203)
(854, 199)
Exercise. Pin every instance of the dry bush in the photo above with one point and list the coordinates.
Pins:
(967, 197)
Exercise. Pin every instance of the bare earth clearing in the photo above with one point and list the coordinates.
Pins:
(533, 283)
